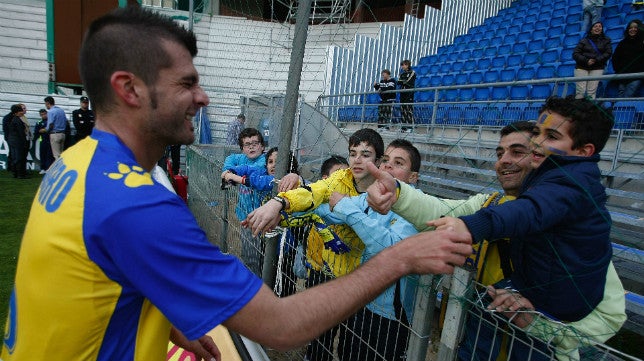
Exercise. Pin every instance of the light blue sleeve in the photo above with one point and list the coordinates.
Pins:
(377, 231)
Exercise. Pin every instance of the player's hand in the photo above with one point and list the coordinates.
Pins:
(512, 305)
(264, 218)
(288, 182)
(381, 195)
(453, 223)
(436, 252)
(204, 348)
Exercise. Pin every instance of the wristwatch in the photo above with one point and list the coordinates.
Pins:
(281, 200)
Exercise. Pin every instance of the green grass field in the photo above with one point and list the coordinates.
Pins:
(16, 195)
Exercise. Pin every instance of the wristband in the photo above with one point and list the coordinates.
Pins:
(243, 181)
(397, 189)
(281, 200)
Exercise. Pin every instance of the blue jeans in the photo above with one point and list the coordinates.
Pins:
(628, 88)
(592, 14)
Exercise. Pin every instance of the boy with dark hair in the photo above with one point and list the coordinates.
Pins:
(559, 224)
(407, 80)
(387, 100)
(332, 164)
(251, 143)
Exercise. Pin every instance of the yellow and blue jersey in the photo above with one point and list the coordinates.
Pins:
(109, 260)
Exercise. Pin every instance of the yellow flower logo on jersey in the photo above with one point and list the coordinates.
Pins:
(135, 176)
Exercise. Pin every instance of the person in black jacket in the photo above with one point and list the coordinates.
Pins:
(387, 100)
(17, 139)
(83, 119)
(6, 120)
(41, 134)
(407, 80)
(629, 58)
(591, 55)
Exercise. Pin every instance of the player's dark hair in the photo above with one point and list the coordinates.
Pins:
(369, 136)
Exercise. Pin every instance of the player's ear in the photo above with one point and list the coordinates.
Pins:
(585, 150)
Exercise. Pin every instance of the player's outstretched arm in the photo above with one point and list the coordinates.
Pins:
(285, 323)
(264, 218)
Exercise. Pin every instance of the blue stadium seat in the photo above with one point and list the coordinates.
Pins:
(476, 77)
(434, 68)
(552, 43)
(469, 65)
(542, 24)
(539, 34)
(476, 54)
(481, 93)
(531, 58)
(422, 114)
(471, 114)
(558, 21)
(573, 18)
(466, 94)
(498, 62)
(624, 116)
(555, 31)
(541, 91)
(446, 67)
(519, 92)
(457, 66)
(478, 36)
(422, 82)
(491, 76)
(524, 36)
(500, 93)
(515, 28)
(520, 48)
(543, 16)
(483, 64)
(508, 74)
(504, 49)
(564, 89)
(448, 79)
(460, 79)
(464, 55)
(571, 40)
(453, 56)
(615, 34)
(527, 27)
(530, 113)
(573, 28)
(490, 115)
(546, 71)
(510, 114)
(535, 45)
(610, 10)
(424, 60)
(489, 52)
(525, 73)
(435, 80)
(501, 31)
(550, 56)
(559, 12)
(373, 98)
(566, 55)
(422, 70)
(450, 95)
(559, 5)
(613, 21)
(546, 8)
(514, 60)
(636, 14)
(566, 69)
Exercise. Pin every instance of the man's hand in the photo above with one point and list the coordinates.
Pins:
(264, 218)
(455, 224)
(434, 252)
(204, 348)
(288, 182)
(381, 195)
(512, 305)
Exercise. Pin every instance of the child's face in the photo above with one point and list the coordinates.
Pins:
(270, 163)
(397, 162)
(252, 147)
(404, 67)
(551, 136)
(513, 161)
(359, 156)
(385, 75)
(334, 168)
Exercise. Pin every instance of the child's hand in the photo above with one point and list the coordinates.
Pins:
(455, 224)
(381, 195)
(334, 198)
(288, 182)
(512, 305)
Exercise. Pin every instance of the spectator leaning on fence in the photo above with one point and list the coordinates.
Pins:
(139, 271)
(407, 80)
(591, 56)
(251, 143)
(561, 256)
(629, 58)
(387, 100)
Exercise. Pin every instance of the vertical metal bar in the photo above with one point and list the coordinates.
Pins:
(455, 315)
(421, 323)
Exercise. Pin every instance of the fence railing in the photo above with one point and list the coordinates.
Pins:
(215, 208)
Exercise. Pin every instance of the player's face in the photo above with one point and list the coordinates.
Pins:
(270, 163)
(551, 136)
(513, 156)
(175, 98)
(397, 162)
(359, 156)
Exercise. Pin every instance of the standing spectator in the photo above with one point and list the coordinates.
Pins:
(83, 119)
(6, 121)
(17, 139)
(24, 119)
(387, 100)
(40, 134)
(407, 80)
(251, 144)
(591, 55)
(629, 58)
(234, 128)
(592, 12)
(56, 125)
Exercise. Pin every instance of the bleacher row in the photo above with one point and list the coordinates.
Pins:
(526, 41)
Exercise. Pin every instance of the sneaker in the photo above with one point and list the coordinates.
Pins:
(42, 171)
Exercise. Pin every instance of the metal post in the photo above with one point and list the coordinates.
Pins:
(421, 323)
(455, 315)
(270, 257)
(191, 14)
(293, 85)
